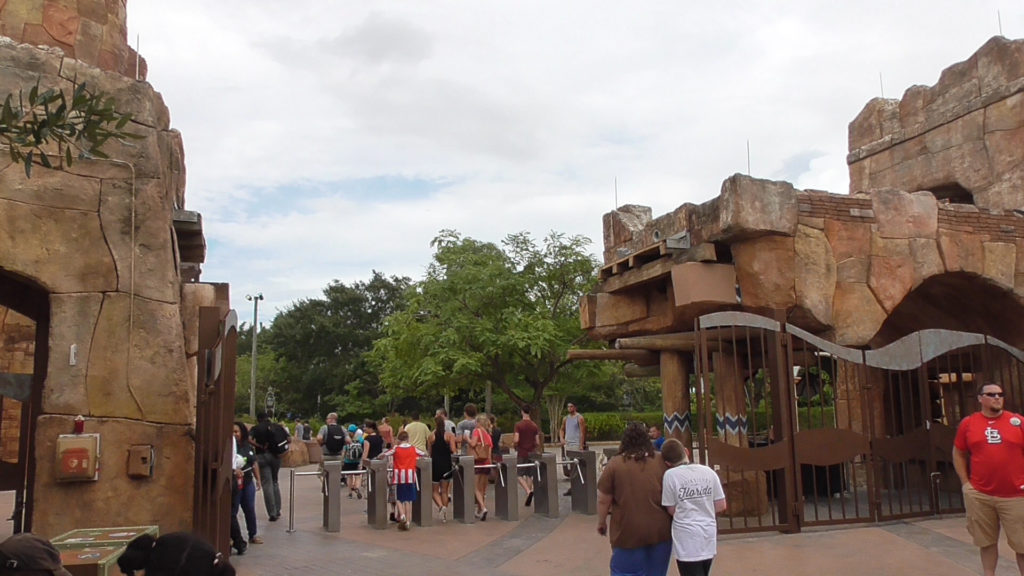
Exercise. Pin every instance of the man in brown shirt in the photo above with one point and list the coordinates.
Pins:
(630, 490)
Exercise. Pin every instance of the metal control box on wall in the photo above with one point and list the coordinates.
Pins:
(78, 457)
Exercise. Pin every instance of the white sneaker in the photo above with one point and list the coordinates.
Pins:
(444, 515)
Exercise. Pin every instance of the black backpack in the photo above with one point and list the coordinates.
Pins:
(280, 443)
(335, 440)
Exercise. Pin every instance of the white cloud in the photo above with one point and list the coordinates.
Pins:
(523, 114)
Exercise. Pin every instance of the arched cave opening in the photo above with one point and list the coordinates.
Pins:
(952, 193)
(956, 301)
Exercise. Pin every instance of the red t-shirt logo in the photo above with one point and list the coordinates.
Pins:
(992, 436)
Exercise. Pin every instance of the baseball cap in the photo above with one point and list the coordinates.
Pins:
(28, 552)
(352, 428)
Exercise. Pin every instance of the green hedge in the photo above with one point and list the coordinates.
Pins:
(608, 426)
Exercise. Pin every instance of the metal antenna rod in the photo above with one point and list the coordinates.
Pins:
(881, 87)
(999, 18)
(616, 193)
(748, 156)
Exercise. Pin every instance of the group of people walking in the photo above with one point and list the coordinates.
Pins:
(256, 464)
(476, 434)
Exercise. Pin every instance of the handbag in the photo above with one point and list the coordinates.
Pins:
(482, 451)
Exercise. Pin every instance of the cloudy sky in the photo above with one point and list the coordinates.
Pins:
(324, 140)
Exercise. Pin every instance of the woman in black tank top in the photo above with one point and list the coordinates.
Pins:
(373, 443)
(441, 445)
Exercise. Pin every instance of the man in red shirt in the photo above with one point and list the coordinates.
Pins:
(526, 439)
(992, 440)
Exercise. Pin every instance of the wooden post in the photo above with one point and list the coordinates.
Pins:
(675, 396)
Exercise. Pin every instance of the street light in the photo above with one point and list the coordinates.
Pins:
(255, 322)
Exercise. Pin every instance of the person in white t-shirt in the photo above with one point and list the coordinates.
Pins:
(693, 494)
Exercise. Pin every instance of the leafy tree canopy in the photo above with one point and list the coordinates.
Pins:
(319, 347)
(483, 313)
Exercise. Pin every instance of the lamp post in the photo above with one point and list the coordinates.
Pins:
(255, 299)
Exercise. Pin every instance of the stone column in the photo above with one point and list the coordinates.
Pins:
(463, 498)
(545, 488)
(584, 481)
(377, 495)
(422, 508)
(506, 496)
(332, 499)
(675, 395)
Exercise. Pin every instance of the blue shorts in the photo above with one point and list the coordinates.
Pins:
(652, 559)
(406, 493)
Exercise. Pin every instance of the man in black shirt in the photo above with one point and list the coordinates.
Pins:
(261, 438)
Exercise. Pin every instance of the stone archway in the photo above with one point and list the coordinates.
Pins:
(24, 332)
(959, 301)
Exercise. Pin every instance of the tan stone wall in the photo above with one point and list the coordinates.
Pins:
(964, 130)
(93, 31)
(116, 500)
(98, 237)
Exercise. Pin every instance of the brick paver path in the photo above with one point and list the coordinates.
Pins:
(569, 546)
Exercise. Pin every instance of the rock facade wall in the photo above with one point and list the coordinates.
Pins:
(966, 131)
(91, 31)
(841, 264)
(98, 238)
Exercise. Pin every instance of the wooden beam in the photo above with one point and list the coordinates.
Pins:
(640, 357)
(623, 278)
(684, 341)
(635, 371)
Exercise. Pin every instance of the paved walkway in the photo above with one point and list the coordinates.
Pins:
(569, 546)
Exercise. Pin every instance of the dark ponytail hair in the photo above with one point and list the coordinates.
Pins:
(174, 554)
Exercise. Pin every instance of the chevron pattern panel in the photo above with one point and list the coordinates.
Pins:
(731, 424)
(675, 421)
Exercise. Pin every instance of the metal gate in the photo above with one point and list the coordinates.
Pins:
(804, 432)
(215, 401)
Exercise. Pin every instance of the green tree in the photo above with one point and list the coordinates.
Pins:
(79, 125)
(488, 314)
(319, 345)
(269, 372)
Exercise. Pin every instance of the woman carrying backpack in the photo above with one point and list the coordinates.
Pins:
(351, 461)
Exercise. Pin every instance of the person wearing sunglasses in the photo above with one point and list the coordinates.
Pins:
(988, 455)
